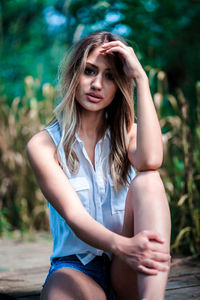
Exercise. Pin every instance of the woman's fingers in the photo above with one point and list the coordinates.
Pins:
(152, 267)
(132, 66)
(127, 56)
(147, 271)
(155, 246)
(121, 51)
(151, 264)
(151, 252)
(113, 44)
(117, 48)
(152, 235)
(146, 253)
(161, 257)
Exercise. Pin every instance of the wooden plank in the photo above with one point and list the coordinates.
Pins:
(24, 254)
(27, 282)
(22, 282)
(187, 293)
(191, 265)
(187, 281)
(24, 267)
(184, 279)
(29, 298)
(6, 297)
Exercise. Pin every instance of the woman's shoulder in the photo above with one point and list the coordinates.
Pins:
(49, 137)
(40, 150)
(39, 142)
(39, 138)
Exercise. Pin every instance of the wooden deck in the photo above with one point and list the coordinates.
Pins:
(24, 266)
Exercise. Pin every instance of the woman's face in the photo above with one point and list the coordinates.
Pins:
(96, 88)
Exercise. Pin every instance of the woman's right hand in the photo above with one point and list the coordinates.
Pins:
(144, 252)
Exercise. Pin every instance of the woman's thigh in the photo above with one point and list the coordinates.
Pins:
(70, 284)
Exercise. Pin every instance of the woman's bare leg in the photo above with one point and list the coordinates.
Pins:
(146, 209)
(69, 284)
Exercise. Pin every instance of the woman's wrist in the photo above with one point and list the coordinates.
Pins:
(141, 78)
(118, 245)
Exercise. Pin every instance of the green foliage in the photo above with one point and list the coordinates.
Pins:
(181, 167)
(27, 45)
(22, 205)
(167, 38)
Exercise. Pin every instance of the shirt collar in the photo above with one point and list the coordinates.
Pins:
(106, 135)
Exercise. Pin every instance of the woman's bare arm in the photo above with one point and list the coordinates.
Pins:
(58, 190)
(145, 149)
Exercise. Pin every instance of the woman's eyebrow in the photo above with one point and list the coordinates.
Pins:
(95, 67)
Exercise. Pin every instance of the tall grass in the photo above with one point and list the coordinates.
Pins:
(181, 168)
(22, 205)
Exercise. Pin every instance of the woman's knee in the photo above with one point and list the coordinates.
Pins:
(147, 193)
(147, 182)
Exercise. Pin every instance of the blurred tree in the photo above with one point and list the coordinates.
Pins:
(168, 37)
(28, 46)
(34, 35)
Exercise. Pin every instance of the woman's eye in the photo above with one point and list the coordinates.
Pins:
(109, 76)
(89, 71)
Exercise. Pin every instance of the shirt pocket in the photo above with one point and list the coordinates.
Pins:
(81, 187)
(117, 200)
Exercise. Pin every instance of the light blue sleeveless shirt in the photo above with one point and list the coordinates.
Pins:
(95, 190)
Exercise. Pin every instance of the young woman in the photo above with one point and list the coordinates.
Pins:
(108, 224)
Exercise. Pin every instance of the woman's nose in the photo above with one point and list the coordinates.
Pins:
(97, 82)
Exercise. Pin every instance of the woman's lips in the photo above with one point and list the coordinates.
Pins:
(94, 97)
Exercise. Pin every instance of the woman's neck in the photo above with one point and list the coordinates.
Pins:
(93, 125)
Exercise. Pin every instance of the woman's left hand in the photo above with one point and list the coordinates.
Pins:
(132, 66)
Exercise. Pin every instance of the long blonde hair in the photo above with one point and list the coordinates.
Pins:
(119, 113)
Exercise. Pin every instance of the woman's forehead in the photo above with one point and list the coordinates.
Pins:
(96, 58)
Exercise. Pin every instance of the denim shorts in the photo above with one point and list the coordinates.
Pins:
(98, 269)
